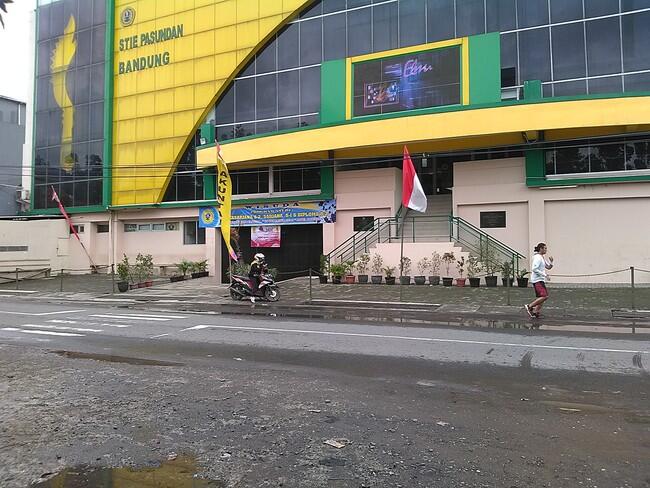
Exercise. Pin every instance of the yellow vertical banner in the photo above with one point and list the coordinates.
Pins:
(224, 198)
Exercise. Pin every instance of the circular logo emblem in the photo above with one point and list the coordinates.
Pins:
(209, 217)
(127, 17)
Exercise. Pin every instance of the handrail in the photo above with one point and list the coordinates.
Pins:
(488, 236)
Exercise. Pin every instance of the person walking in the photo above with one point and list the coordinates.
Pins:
(538, 278)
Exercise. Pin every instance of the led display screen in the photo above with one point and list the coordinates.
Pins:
(407, 82)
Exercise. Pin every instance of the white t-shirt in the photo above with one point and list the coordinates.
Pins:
(538, 269)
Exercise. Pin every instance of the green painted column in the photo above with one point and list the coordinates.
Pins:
(535, 167)
(485, 68)
(332, 88)
(107, 172)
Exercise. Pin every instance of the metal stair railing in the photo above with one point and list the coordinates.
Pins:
(491, 252)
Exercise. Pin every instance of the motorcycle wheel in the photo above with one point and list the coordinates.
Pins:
(272, 294)
(235, 294)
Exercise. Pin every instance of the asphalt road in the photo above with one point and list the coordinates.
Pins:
(253, 400)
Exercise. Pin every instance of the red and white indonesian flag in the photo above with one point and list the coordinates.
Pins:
(412, 193)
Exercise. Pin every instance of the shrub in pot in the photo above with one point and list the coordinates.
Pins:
(506, 274)
(183, 267)
(460, 266)
(144, 270)
(473, 268)
(434, 264)
(522, 281)
(389, 271)
(362, 268)
(199, 269)
(490, 264)
(337, 270)
(377, 268)
(448, 258)
(349, 277)
(405, 270)
(423, 267)
(124, 274)
(324, 269)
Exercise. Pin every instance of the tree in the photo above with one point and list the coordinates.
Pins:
(3, 7)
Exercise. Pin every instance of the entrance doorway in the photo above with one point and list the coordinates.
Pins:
(436, 174)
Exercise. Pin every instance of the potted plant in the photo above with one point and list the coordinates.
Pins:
(124, 274)
(183, 267)
(144, 270)
(522, 281)
(377, 268)
(474, 267)
(349, 277)
(405, 270)
(506, 274)
(490, 264)
(460, 266)
(389, 271)
(362, 267)
(423, 266)
(199, 269)
(434, 263)
(337, 270)
(324, 269)
(448, 258)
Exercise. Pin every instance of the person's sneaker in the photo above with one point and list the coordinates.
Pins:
(529, 311)
(253, 300)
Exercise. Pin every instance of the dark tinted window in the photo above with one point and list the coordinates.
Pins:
(501, 15)
(439, 26)
(565, 10)
(311, 41)
(385, 22)
(603, 46)
(359, 32)
(568, 51)
(412, 22)
(595, 8)
(636, 39)
(470, 17)
(532, 12)
(334, 37)
(534, 55)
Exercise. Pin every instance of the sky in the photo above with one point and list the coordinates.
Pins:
(16, 50)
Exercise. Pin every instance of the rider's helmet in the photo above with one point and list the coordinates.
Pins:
(259, 257)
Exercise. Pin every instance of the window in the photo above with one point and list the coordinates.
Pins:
(144, 227)
(79, 228)
(363, 223)
(192, 233)
(631, 154)
(296, 178)
(158, 227)
(250, 181)
(130, 227)
(103, 228)
(493, 220)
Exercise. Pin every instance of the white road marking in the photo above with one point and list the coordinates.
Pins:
(420, 339)
(42, 314)
(42, 332)
(130, 317)
(158, 316)
(159, 335)
(119, 326)
(60, 327)
(57, 321)
(17, 291)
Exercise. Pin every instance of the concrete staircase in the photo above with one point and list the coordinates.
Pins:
(429, 226)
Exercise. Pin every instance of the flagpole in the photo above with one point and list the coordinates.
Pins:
(401, 259)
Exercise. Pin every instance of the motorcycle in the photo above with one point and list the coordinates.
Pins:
(242, 286)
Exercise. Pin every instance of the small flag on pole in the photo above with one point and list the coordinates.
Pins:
(224, 197)
(412, 193)
(55, 198)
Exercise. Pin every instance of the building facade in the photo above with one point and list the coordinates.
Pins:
(12, 138)
(527, 119)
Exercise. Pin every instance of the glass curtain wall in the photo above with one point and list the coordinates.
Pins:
(573, 46)
(69, 127)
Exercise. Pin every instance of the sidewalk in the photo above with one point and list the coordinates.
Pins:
(606, 305)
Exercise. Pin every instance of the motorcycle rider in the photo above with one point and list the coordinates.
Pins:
(258, 268)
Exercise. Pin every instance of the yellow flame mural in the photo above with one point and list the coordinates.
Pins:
(62, 56)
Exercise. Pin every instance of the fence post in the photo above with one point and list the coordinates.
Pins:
(633, 291)
(113, 277)
(413, 229)
(61, 281)
(17, 278)
(310, 283)
(508, 289)
(354, 247)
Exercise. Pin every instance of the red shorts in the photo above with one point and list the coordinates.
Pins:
(540, 289)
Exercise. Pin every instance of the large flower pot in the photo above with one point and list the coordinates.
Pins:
(349, 279)
(434, 280)
(447, 281)
(322, 279)
(490, 281)
(420, 280)
(505, 281)
(376, 279)
(336, 280)
(148, 284)
(405, 280)
(174, 279)
(363, 279)
(123, 286)
(475, 282)
(522, 282)
(461, 282)
(390, 280)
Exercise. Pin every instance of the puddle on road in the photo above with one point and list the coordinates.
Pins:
(178, 473)
(115, 359)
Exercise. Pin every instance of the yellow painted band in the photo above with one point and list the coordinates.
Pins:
(497, 121)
